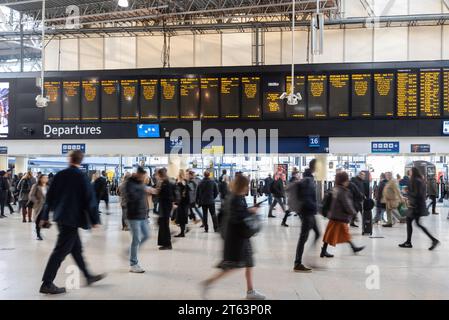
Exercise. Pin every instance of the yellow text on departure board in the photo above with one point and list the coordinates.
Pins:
(90, 90)
(148, 88)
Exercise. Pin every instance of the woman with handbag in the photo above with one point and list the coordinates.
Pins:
(340, 215)
(25, 204)
(418, 209)
(239, 225)
(37, 197)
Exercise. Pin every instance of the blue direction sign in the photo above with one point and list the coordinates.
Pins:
(385, 147)
(67, 147)
(3, 150)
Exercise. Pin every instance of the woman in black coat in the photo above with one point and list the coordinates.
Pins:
(237, 252)
(166, 199)
(417, 209)
(182, 213)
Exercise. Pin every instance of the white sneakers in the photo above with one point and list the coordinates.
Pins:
(136, 269)
(254, 295)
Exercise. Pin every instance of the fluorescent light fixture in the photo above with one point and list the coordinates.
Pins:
(123, 3)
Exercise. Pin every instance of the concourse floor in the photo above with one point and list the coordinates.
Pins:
(381, 271)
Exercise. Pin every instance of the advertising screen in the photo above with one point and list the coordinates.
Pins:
(4, 109)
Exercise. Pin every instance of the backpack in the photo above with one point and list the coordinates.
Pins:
(326, 204)
(294, 195)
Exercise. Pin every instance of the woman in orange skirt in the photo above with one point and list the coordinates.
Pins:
(340, 214)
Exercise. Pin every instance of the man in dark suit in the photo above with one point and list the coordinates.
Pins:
(72, 201)
(101, 190)
(207, 192)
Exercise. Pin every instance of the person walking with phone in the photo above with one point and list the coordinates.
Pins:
(71, 198)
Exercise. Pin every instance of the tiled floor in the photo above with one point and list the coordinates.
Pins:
(403, 273)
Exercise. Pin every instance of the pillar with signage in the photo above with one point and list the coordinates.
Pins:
(3, 158)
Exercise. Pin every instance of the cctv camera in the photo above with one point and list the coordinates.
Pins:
(41, 101)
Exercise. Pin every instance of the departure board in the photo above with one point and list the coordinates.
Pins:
(90, 103)
(190, 98)
(446, 92)
(149, 97)
(429, 93)
(71, 100)
(361, 95)
(251, 97)
(53, 92)
(299, 110)
(339, 95)
(169, 99)
(407, 93)
(109, 100)
(128, 99)
(384, 94)
(272, 104)
(230, 97)
(209, 98)
(317, 96)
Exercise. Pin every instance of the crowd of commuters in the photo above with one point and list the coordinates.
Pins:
(74, 202)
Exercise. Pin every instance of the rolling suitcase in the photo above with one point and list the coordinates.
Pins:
(367, 217)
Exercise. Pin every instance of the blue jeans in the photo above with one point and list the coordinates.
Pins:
(140, 233)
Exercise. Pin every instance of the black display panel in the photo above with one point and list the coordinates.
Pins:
(317, 96)
(251, 97)
(190, 98)
(361, 95)
(90, 102)
(429, 93)
(384, 94)
(272, 104)
(109, 99)
(209, 98)
(446, 92)
(299, 110)
(52, 90)
(149, 98)
(128, 99)
(230, 97)
(407, 93)
(339, 95)
(71, 100)
(169, 99)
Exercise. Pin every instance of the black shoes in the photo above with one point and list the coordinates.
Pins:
(406, 245)
(325, 254)
(39, 238)
(181, 235)
(271, 216)
(301, 268)
(284, 224)
(354, 225)
(357, 249)
(165, 248)
(435, 243)
(51, 289)
(96, 278)
(387, 225)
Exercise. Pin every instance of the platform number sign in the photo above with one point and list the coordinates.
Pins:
(385, 147)
(66, 148)
(314, 142)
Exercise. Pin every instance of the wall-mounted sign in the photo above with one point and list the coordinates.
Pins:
(446, 128)
(420, 148)
(385, 147)
(3, 150)
(61, 131)
(67, 147)
(314, 142)
(148, 131)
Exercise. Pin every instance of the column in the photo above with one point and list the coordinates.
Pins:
(4, 162)
(21, 165)
(322, 166)
(176, 162)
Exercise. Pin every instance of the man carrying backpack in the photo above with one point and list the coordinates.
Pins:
(306, 207)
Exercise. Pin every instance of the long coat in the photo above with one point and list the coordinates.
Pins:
(391, 195)
(38, 198)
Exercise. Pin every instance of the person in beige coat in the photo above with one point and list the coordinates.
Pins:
(37, 195)
(392, 198)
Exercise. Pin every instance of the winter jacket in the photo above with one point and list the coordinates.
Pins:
(342, 208)
(135, 199)
(432, 189)
(277, 188)
(308, 196)
(391, 195)
(417, 198)
(207, 192)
